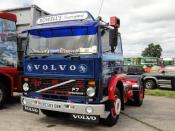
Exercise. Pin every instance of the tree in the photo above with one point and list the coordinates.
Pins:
(152, 51)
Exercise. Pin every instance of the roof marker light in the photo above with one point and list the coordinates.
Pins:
(115, 22)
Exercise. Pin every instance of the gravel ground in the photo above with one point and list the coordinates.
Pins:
(156, 113)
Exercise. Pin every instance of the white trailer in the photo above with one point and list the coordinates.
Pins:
(26, 16)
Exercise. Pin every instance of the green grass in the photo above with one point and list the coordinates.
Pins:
(160, 92)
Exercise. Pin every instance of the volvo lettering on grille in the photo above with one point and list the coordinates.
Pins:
(82, 68)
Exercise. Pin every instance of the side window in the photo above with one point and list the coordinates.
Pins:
(105, 41)
(106, 46)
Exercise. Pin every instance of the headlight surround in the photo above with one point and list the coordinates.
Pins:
(90, 91)
(26, 87)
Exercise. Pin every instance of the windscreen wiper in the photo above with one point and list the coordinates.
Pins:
(33, 55)
(67, 55)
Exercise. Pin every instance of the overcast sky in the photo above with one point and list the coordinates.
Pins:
(142, 21)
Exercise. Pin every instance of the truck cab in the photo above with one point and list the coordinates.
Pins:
(73, 64)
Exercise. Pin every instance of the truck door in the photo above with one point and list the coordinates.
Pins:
(112, 60)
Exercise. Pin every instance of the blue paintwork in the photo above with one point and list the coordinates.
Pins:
(34, 67)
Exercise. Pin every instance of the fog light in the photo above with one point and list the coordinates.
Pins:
(89, 110)
(26, 87)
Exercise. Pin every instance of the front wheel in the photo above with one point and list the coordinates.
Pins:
(3, 95)
(150, 84)
(115, 108)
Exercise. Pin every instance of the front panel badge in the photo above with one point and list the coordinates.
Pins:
(82, 68)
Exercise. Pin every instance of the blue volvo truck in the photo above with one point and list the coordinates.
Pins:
(73, 63)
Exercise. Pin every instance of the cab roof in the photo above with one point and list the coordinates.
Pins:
(65, 20)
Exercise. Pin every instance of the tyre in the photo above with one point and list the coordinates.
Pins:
(3, 95)
(114, 108)
(138, 97)
(49, 113)
(150, 84)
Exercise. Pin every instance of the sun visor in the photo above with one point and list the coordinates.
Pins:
(59, 31)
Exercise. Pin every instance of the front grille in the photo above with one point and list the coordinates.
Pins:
(76, 88)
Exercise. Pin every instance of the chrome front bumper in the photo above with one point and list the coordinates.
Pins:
(66, 107)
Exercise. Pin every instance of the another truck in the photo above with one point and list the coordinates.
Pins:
(9, 75)
(12, 21)
(73, 63)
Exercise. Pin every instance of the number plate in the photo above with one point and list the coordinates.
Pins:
(85, 118)
(47, 105)
(31, 109)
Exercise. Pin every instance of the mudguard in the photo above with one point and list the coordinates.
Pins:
(136, 81)
(137, 86)
(113, 83)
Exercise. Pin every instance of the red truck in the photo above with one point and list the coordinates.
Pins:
(9, 73)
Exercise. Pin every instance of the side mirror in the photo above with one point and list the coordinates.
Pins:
(113, 39)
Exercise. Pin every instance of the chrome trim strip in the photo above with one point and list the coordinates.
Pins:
(67, 107)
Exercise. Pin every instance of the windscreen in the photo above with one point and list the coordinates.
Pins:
(61, 41)
(8, 46)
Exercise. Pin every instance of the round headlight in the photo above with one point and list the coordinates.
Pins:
(90, 92)
(26, 87)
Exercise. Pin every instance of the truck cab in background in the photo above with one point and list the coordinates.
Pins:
(73, 64)
(9, 74)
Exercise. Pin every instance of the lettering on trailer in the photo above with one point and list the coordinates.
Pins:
(63, 17)
(82, 68)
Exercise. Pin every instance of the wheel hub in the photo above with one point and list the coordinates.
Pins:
(118, 106)
(148, 85)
